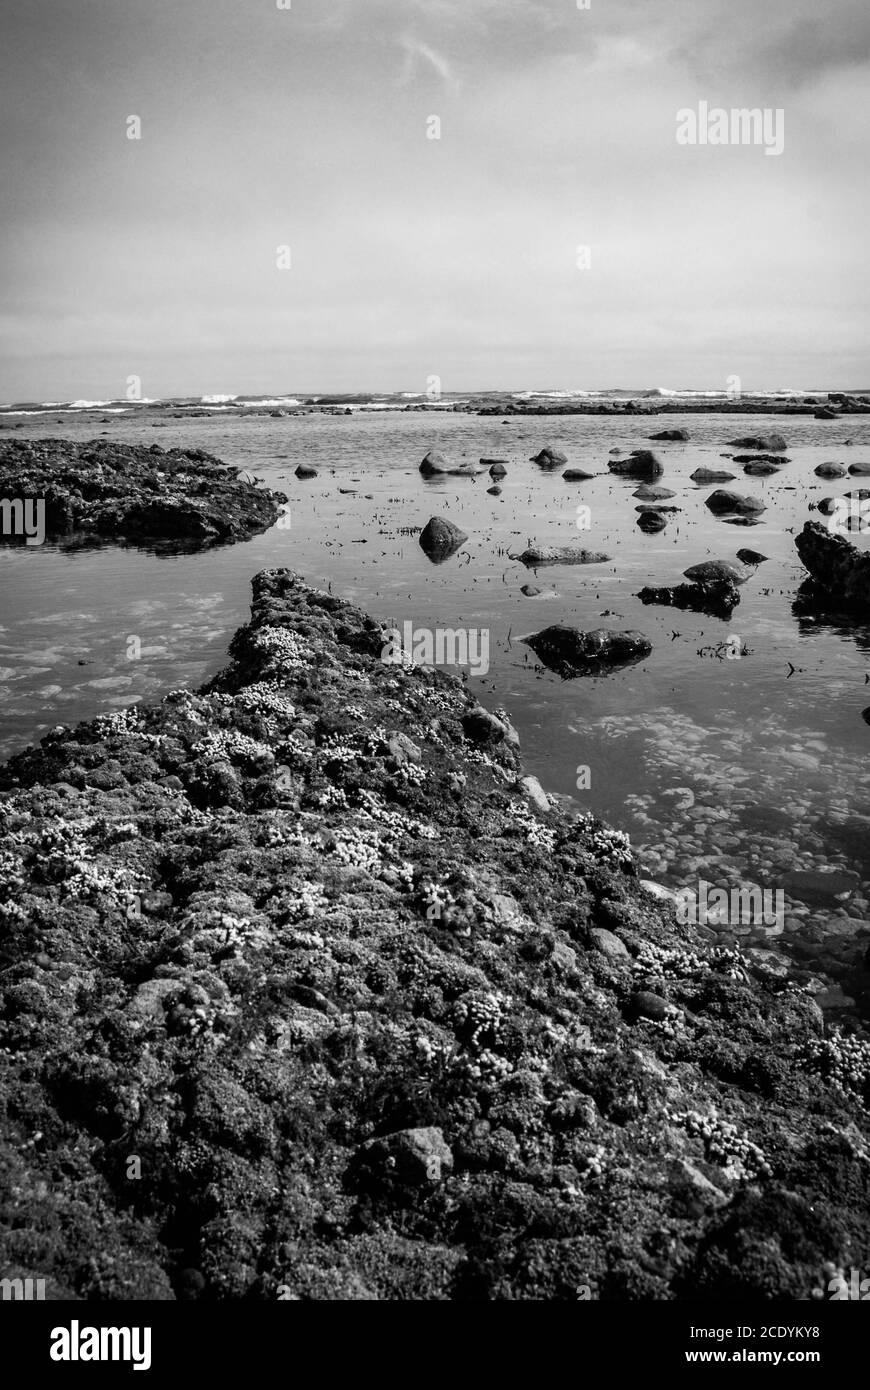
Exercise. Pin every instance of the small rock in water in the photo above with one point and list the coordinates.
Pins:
(576, 475)
(710, 475)
(652, 492)
(714, 571)
(751, 557)
(305, 470)
(529, 590)
(651, 522)
(672, 436)
(830, 470)
(494, 491)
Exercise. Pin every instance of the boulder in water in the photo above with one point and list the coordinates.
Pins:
(440, 539)
(640, 464)
(761, 443)
(723, 501)
(572, 652)
(550, 458)
(561, 555)
(839, 570)
(710, 475)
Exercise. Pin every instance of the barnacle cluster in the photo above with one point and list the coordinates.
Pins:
(725, 1144)
(535, 833)
(284, 650)
(841, 1058)
(478, 1013)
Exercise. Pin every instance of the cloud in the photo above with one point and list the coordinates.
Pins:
(417, 53)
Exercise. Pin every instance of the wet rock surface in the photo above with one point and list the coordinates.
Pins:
(572, 652)
(107, 492)
(441, 538)
(301, 991)
(838, 569)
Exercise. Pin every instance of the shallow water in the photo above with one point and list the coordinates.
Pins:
(737, 771)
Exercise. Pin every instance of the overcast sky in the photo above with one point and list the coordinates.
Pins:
(413, 257)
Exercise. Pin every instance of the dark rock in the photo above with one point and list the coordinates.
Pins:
(576, 475)
(859, 470)
(645, 1004)
(572, 652)
(497, 467)
(305, 470)
(125, 492)
(718, 598)
(561, 555)
(775, 460)
(760, 470)
(483, 727)
(751, 557)
(830, 470)
(494, 491)
(761, 443)
(530, 591)
(550, 458)
(640, 464)
(651, 521)
(722, 501)
(825, 414)
(608, 943)
(674, 436)
(838, 569)
(718, 571)
(411, 1157)
(710, 475)
(440, 539)
(434, 463)
(650, 492)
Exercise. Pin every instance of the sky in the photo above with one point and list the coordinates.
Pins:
(306, 124)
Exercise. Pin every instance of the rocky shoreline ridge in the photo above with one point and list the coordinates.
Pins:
(308, 992)
(103, 491)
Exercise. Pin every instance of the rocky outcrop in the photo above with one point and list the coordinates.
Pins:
(304, 994)
(441, 538)
(574, 653)
(103, 492)
(839, 570)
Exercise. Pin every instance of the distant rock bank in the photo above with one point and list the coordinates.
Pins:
(105, 491)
